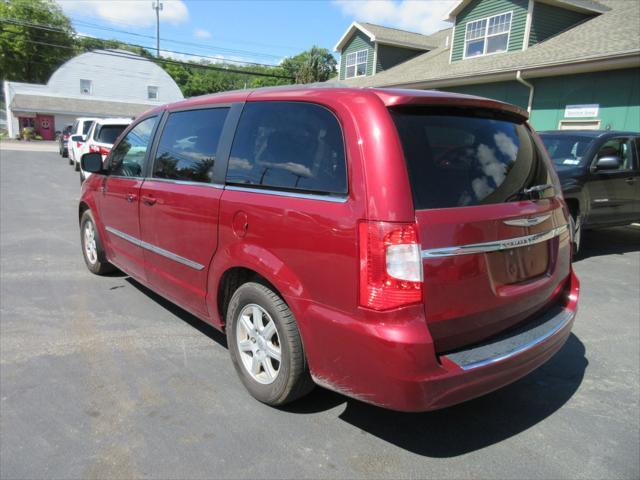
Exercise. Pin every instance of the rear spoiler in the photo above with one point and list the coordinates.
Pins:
(445, 100)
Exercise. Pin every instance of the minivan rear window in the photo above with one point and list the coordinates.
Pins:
(456, 159)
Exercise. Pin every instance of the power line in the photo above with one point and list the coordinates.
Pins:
(56, 29)
(102, 27)
(206, 47)
(133, 56)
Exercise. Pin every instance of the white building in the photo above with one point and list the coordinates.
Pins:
(101, 83)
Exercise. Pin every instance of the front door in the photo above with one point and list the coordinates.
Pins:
(119, 202)
(612, 192)
(179, 207)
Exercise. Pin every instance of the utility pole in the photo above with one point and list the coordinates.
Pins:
(157, 6)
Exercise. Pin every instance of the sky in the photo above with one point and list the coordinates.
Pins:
(261, 31)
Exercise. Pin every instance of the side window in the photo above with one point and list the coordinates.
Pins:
(618, 147)
(187, 147)
(127, 158)
(289, 146)
(86, 127)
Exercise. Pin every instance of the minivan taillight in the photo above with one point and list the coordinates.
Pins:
(390, 265)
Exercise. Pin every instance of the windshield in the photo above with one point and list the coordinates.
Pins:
(566, 150)
(458, 159)
(109, 133)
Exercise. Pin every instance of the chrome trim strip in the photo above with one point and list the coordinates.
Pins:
(280, 193)
(568, 316)
(527, 222)
(184, 182)
(154, 249)
(494, 246)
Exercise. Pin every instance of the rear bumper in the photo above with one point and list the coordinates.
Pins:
(394, 365)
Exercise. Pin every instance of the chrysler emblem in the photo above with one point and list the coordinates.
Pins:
(527, 222)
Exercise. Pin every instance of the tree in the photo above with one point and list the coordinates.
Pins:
(85, 44)
(314, 65)
(24, 57)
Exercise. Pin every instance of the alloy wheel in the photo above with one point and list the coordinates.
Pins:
(258, 344)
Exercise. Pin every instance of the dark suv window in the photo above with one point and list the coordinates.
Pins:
(456, 159)
(618, 147)
(289, 146)
(127, 158)
(187, 148)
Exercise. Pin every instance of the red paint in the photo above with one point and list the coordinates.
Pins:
(312, 252)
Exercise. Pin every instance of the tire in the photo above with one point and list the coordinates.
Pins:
(70, 161)
(292, 379)
(76, 166)
(82, 179)
(94, 258)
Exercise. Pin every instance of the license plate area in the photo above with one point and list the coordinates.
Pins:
(519, 264)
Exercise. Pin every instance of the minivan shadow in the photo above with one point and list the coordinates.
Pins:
(484, 421)
(444, 433)
(609, 241)
(203, 327)
(472, 425)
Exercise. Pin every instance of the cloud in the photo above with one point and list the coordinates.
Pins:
(416, 16)
(137, 13)
(201, 33)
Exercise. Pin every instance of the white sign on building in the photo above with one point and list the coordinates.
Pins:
(581, 111)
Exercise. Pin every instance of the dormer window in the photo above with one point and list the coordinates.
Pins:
(487, 35)
(356, 64)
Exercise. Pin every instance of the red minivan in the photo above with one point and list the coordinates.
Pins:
(406, 248)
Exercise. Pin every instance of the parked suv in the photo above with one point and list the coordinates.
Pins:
(406, 248)
(78, 136)
(102, 134)
(600, 176)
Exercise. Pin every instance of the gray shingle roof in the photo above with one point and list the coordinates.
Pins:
(394, 36)
(609, 34)
(76, 106)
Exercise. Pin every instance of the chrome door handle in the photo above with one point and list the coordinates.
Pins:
(131, 197)
(630, 180)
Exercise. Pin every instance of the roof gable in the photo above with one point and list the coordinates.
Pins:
(387, 36)
(583, 6)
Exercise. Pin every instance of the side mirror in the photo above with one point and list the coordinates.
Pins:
(608, 163)
(92, 162)
(77, 138)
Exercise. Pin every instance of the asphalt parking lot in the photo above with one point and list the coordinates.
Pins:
(101, 378)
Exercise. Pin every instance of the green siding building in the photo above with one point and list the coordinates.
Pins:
(572, 64)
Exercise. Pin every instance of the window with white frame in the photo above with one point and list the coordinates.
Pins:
(85, 87)
(152, 92)
(356, 64)
(487, 35)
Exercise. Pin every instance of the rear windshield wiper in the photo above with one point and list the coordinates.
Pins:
(537, 189)
(532, 193)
